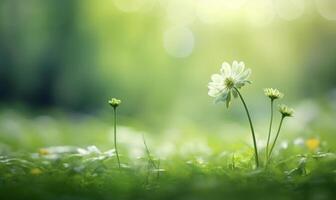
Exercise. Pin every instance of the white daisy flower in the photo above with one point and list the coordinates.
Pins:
(89, 150)
(223, 85)
(273, 93)
(286, 111)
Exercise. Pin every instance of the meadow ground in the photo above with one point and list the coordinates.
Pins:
(48, 157)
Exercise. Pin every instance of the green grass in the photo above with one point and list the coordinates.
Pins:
(76, 177)
(194, 164)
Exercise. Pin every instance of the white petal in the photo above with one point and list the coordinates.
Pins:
(244, 76)
(234, 66)
(216, 78)
(226, 69)
(222, 96)
(240, 84)
(237, 68)
(216, 85)
(213, 93)
(241, 67)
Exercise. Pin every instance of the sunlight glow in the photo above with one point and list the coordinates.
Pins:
(327, 9)
(178, 41)
(180, 12)
(260, 12)
(133, 5)
(213, 11)
(289, 9)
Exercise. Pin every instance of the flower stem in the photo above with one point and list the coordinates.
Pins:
(276, 137)
(158, 170)
(150, 159)
(251, 126)
(115, 135)
(269, 130)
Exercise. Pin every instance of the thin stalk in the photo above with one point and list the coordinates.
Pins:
(276, 137)
(147, 176)
(251, 126)
(158, 170)
(233, 162)
(148, 152)
(150, 159)
(115, 135)
(269, 130)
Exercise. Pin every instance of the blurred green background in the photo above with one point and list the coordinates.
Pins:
(71, 56)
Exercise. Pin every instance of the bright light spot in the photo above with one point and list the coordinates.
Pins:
(299, 141)
(213, 11)
(195, 147)
(208, 11)
(180, 12)
(233, 4)
(260, 12)
(327, 9)
(289, 9)
(133, 5)
(305, 113)
(284, 144)
(130, 139)
(261, 143)
(178, 41)
(165, 150)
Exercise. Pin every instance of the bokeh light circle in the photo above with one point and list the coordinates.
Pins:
(180, 12)
(327, 9)
(133, 5)
(260, 12)
(178, 41)
(289, 9)
(214, 11)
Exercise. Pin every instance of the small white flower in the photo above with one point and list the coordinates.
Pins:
(299, 141)
(284, 144)
(88, 150)
(273, 93)
(229, 79)
(286, 111)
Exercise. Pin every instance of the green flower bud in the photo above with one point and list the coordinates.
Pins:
(114, 102)
(273, 93)
(286, 111)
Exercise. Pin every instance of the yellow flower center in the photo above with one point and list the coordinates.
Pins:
(229, 82)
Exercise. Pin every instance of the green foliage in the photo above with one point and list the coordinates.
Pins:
(197, 166)
(97, 175)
